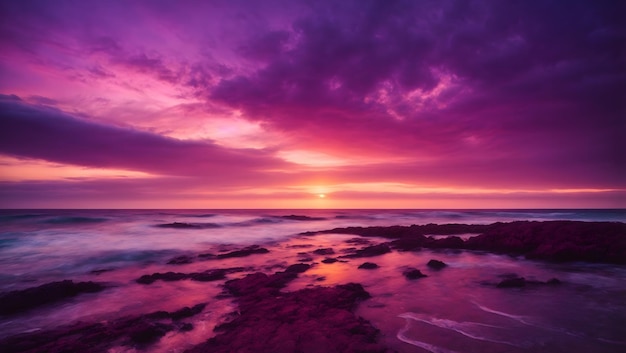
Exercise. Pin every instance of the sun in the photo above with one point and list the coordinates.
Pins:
(321, 196)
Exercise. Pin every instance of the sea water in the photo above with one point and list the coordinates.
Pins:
(457, 309)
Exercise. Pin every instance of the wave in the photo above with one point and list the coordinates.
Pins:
(464, 328)
(524, 320)
(74, 220)
(401, 335)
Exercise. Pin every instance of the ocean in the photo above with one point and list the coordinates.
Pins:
(453, 310)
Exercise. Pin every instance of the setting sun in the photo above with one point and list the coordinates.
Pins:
(321, 196)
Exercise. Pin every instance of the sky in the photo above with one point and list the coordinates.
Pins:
(312, 104)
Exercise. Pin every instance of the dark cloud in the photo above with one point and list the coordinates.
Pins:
(50, 134)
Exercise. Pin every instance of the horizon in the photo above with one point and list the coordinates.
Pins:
(328, 105)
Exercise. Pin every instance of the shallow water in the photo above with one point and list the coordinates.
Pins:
(456, 309)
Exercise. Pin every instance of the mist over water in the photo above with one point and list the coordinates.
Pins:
(452, 310)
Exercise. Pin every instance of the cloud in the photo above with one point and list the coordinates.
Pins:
(50, 134)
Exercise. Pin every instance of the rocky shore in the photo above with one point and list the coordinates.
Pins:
(316, 318)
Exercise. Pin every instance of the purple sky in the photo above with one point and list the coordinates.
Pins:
(282, 104)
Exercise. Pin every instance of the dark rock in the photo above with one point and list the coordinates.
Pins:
(180, 260)
(329, 260)
(182, 225)
(101, 271)
(436, 264)
(516, 282)
(550, 240)
(414, 242)
(324, 251)
(301, 218)
(298, 268)
(370, 251)
(137, 331)
(359, 241)
(209, 275)
(254, 249)
(413, 273)
(445, 243)
(206, 276)
(318, 319)
(187, 312)
(368, 266)
(21, 300)
(146, 333)
(554, 281)
(556, 240)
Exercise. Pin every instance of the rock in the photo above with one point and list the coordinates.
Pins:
(180, 260)
(301, 218)
(445, 243)
(148, 332)
(182, 225)
(324, 251)
(436, 264)
(370, 251)
(329, 260)
(318, 319)
(254, 249)
(21, 300)
(298, 268)
(554, 281)
(135, 331)
(515, 282)
(414, 242)
(209, 275)
(603, 242)
(413, 273)
(368, 266)
(206, 276)
(187, 312)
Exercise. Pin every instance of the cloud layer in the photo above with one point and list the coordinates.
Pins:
(463, 95)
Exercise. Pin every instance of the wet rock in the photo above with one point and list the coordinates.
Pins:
(370, 251)
(134, 331)
(556, 240)
(254, 249)
(301, 218)
(101, 271)
(21, 300)
(413, 273)
(180, 260)
(298, 268)
(515, 282)
(445, 243)
(318, 319)
(187, 312)
(324, 251)
(358, 241)
(554, 281)
(148, 332)
(603, 242)
(436, 264)
(182, 225)
(206, 276)
(329, 260)
(368, 266)
(411, 243)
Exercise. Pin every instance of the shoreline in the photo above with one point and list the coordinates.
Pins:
(264, 301)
